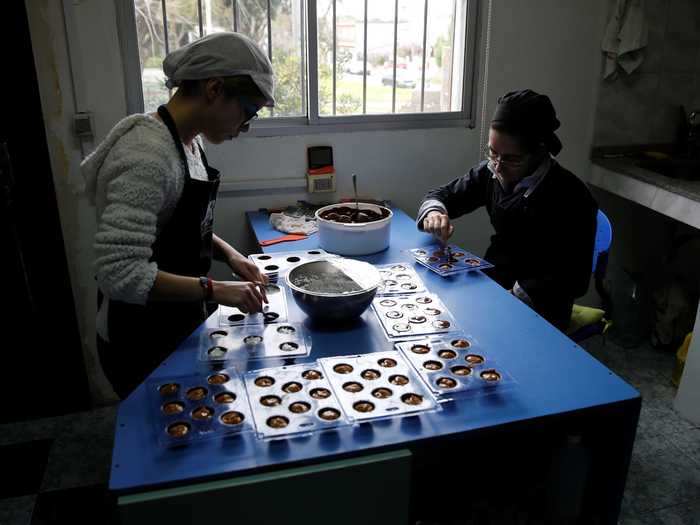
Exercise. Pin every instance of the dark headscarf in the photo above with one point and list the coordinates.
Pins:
(528, 115)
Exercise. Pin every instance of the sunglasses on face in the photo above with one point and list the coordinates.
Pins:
(250, 111)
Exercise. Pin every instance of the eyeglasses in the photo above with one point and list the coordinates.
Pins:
(510, 161)
(250, 110)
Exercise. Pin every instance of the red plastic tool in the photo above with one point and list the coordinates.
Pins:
(284, 238)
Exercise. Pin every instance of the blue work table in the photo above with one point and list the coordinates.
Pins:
(556, 381)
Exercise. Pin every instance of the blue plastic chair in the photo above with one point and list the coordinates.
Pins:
(601, 251)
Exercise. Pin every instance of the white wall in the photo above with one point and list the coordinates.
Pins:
(551, 46)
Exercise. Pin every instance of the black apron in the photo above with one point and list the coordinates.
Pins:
(142, 336)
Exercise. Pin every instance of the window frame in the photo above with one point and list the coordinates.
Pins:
(313, 123)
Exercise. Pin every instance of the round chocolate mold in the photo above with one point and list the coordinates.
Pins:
(272, 267)
(420, 252)
(424, 300)
(439, 253)
(253, 340)
(277, 422)
(292, 387)
(417, 319)
(320, 393)
(232, 418)
(178, 429)
(420, 349)
(387, 362)
(370, 374)
(398, 379)
(329, 414)
(269, 317)
(311, 374)
(264, 381)
(314, 252)
(389, 282)
(409, 286)
(270, 401)
(432, 365)
(412, 399)
(458, 255)
(433, 259)
(432, 311)
(218, 379)
(353, 386)
(394, 314)
(289, 346)
(461, 370)
(169, 389)
(217, 352)
(445, 266)
(409, 306)
(382, 393)
(447, 354)
(460, 343)
(387, 303)
(196, 393)
(343, 368)
(446, 382)
(399, 267)
(264, 257)
(174, 407)
(299, 407)
(491, 376)
(286, 329)
(441, 324)
(293, 259)
(236, 318)
(402, 327)
(202, 413)
(363, 406)
(474, 359)
(403, 277)
(218, 334)
(225, 397)
(472, 262)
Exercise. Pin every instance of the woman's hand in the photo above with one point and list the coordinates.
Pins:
(439, 225)
(246, 296)
(247, 270)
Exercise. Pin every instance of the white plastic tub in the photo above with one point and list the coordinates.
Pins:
(354, 239)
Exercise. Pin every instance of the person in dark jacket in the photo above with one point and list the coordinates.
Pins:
(544, 217)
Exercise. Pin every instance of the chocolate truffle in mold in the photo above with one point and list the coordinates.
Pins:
(474, 359)
(409, 306)
(292, 387)
(441, 324)
(412, 399)
(420, 252)
(363, 406)
(458, 255)
(269, 317)
(299, 407)
(289, 346)
(490, 375)
(353, 386)
(420, 349)
(329, 414)
(232, 418)
(394, 314)
(447, 354)
(432, 365)
(320, 393)
(461, 370)
(253, 340)
(370, 374)
(218, 379)
(285, 329)
(311, 374)
(402, 327)
(264, 257)
(432, 311)
(472, 262)
(343, 368)
(217, 352)
(169, 389)
(272, 267)
(381, 393)
(424, 300)
(236, 318)
(398, 379)
(417, 319)
(174, 407)
(196, 393)
(389, 282)
(387, 362)
(460, 343)
(398, 268)
(403, 277)
(202, 413)
(408, 286)
(218, 334)
(225, 397)
(270, 401)
(277, 421)
(445, 266)
(293, 259)
(387, 303)
(264, 381)
(179, 429)
(446, 382)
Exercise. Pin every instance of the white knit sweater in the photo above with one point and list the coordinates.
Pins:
(135, 179)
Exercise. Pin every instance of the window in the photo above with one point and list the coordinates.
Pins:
(384, 63)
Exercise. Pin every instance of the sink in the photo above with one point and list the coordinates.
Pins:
(677, 168)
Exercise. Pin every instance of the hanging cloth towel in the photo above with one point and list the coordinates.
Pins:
(625, 37)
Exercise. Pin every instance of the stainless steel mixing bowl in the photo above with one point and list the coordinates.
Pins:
(335, 289)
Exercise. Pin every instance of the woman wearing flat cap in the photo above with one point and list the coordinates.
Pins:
(154, 194)
(544, 217)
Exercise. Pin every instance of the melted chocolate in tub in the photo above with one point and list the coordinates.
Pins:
(348, 214)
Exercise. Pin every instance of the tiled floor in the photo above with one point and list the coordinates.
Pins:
(64, 461)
